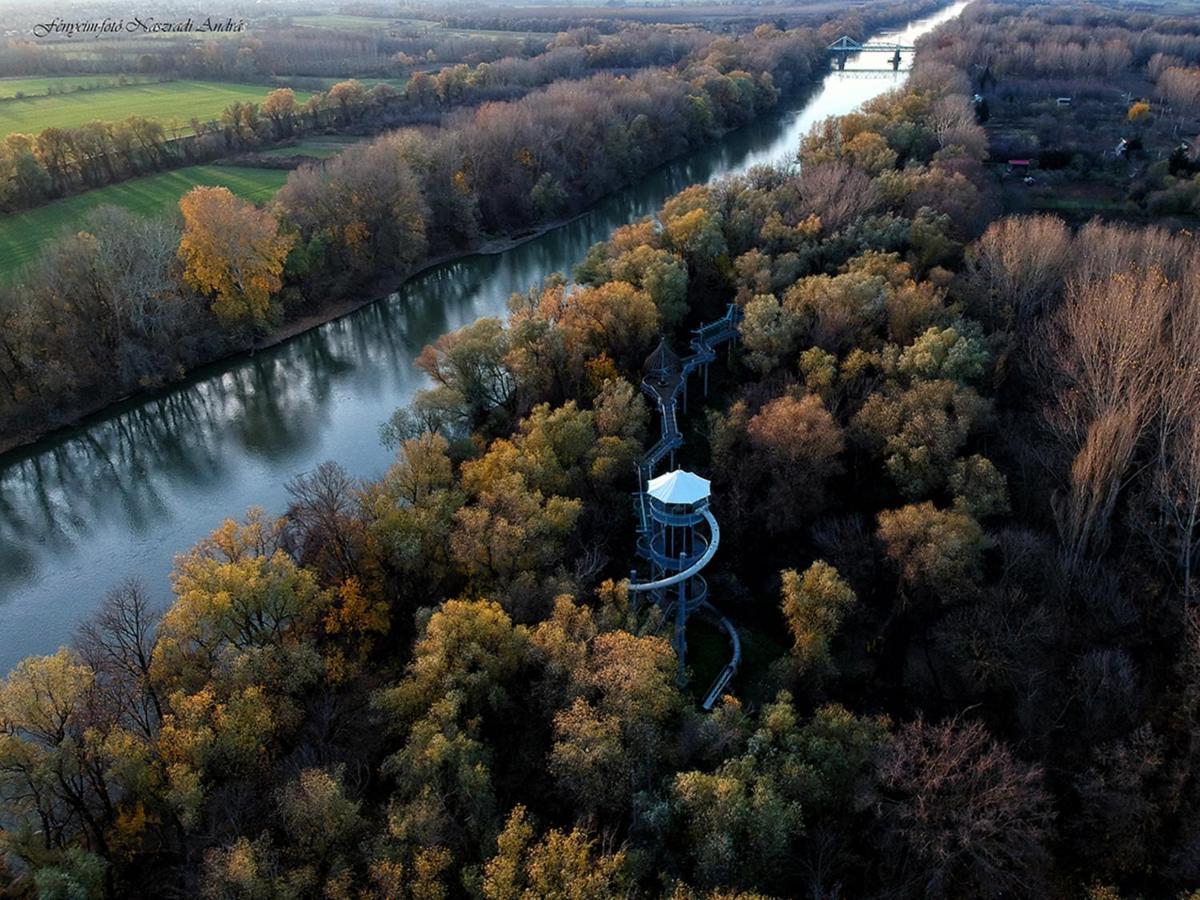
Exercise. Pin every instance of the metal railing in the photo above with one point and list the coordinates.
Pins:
(703, 344)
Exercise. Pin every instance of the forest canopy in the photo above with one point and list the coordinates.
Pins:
(955, 457)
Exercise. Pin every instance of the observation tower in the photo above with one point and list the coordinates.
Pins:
(677, 548)
(677, 532)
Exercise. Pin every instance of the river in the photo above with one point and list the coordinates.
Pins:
(121, 494)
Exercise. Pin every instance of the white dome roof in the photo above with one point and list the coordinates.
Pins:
(679, 487)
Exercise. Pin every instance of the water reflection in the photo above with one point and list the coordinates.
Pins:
(124, 492)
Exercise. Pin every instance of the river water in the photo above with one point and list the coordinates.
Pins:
(119, 496)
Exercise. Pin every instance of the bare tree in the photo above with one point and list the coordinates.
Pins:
(961, 816)
(837, 192)
(1177, 473)
(324, 521)
(1106, 349)
(117, 643)
(1017, 268)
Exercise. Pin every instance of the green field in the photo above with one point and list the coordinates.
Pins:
(23, 234)
(362, 23)
(324, 83)
(370, 23)
(169, 101)
(316, 147)
(40, 87)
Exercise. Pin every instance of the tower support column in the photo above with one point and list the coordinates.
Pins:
(681, 628)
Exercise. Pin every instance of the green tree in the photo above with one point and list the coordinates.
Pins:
(470, 365)
(410, 516)
(919, 431)
(661, 274)
(957, 353)
(560, 866)
(321, 822)
(53, 765)
(458, 678)
(978, 484)
(938, 550)
(813, 605)
(769, 332)
(744, 821)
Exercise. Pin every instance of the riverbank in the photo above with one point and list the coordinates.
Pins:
(81, 409)
(378, 290)
(118, 495)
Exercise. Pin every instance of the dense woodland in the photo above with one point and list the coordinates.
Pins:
(442, 71)
(37, 168)
(129, 312)
(956, 460)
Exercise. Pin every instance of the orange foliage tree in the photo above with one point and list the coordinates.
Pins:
(234, 251)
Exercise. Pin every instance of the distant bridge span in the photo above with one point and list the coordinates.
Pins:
(845, 46)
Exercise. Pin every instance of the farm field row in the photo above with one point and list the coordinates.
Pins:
(172, 102)
(322, 82)
(40, 87)
(23, 234)
(373, 23)
(317, 147)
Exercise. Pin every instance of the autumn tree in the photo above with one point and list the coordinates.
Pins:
(280, 107)
(617, 726)
(814, 604)
(235, 591)
(361, 212)
(797, 442)
(510, 529)
(934, 549)
(233, 251)
(558, 865)
(919, 431)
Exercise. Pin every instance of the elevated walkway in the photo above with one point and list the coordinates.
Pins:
(665, 383)
(665, 386)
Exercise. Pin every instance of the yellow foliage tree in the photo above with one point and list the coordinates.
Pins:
(1139, 111)
(233, 251)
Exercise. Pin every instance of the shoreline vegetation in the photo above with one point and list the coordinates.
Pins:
(384, 287)
(758, 95)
